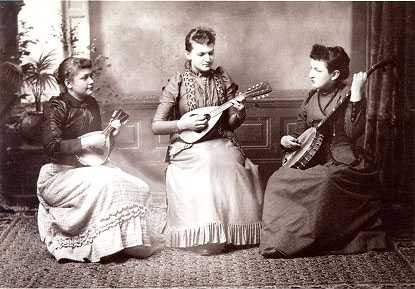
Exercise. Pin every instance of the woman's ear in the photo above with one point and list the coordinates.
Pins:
(187, 55)
(335, 74)
(68, 83)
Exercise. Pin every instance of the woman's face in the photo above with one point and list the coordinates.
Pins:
(319, 75)
(201, 57)
(82, 84)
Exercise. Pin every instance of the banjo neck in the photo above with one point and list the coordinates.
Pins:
(346, 98)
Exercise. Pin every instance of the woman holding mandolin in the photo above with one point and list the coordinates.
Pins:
(328, 199)
(86, 213)
(213, 190)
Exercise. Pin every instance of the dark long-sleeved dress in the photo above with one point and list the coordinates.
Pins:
(332, 206)
(85, 213)
(213, 190)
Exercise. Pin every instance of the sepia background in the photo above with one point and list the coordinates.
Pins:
(136, 47)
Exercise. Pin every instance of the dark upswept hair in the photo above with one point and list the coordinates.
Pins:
(201, 35)
(335, 57)
(68, 68)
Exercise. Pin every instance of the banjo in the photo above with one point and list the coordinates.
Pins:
(93, 156)
(214, 113)
(312, 139)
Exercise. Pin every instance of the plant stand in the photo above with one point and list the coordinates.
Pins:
(22, 158)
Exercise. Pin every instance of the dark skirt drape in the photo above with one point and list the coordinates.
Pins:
(326, 208)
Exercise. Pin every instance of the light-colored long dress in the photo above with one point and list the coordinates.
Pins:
(213, 191)
(86, 213)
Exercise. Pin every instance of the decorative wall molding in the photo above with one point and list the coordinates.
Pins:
(280, 98)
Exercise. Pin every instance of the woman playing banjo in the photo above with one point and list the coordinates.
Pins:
(86, 213)
(333, 203)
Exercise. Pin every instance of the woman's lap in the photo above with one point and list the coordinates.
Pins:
(210, 187)
(91, 211)
(317, 208)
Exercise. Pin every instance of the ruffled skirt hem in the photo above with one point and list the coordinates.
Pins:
(215, 233)
(99, 242)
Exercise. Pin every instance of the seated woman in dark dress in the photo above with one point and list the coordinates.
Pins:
(333, 205)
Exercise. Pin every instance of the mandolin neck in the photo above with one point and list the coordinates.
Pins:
(220, 109)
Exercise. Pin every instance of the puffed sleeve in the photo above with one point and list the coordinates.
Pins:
(355, 118)
(164, 121)
(52, 130)
(97, 121)
(235, 117)
(230, 87)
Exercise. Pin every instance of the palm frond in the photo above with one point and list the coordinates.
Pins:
(45, 62)
(38, 74)
(51, 80)
(11, 75)
(44, 80)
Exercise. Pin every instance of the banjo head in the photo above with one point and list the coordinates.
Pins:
(306, 140)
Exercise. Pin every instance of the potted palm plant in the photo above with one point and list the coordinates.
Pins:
(38, 78)
(11, 80)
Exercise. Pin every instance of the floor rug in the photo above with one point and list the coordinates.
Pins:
(24, 262)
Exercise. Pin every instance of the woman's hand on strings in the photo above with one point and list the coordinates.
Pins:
(358, 82)
(290, 142)
(196, 122)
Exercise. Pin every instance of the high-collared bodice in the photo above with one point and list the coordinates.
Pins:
(343, 128)
(190, 90)
(65, 119)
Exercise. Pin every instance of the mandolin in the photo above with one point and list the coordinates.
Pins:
(93, 156)
(214, 113)
(312, 139)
